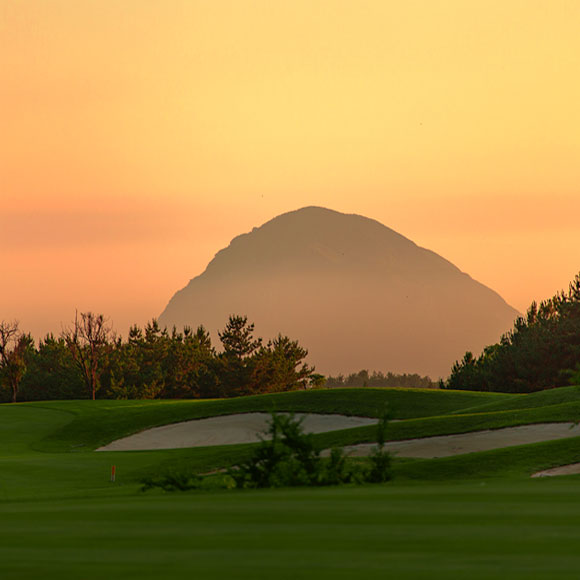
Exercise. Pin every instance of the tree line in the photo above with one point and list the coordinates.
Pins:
(540, 352)
(378, 379)
(88, 360)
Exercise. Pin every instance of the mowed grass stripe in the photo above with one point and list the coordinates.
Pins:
(454, 531)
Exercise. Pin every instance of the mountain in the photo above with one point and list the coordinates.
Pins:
(355, 293)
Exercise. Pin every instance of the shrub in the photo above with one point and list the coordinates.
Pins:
(288, 457)
(173, 482)
(380, 458)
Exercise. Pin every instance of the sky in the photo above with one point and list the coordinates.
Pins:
(139, 137)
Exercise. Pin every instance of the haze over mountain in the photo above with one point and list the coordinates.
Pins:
(354, 292)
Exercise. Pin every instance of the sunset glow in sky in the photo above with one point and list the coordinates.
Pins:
(139, 137)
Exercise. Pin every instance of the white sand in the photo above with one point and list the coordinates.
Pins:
(246, 428)
(571, 469)
(225, 430)
(447, 445)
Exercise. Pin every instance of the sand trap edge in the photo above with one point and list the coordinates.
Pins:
(226, 430)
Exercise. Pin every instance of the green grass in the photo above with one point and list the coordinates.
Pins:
(96, 423)
(539, 399)
(524, 530)
(510, 462)
(455, 423)
(476, 515)
(46, 448)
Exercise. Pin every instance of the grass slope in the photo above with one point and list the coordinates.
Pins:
(96, 423)
(475, 516)
(510, 462)
(46, 448)
(539, 399)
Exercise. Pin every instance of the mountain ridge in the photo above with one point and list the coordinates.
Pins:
(302, 270)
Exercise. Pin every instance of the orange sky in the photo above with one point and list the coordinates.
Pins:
(139, 137)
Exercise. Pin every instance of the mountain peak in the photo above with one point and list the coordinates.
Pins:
(356, 293)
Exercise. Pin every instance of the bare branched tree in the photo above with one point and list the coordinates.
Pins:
(12, 349)
(87, 341)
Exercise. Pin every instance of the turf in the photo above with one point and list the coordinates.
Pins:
(46, 448)
(453, 531)
(540, 399)
(455, 423)
(476, 515)
(95, 423)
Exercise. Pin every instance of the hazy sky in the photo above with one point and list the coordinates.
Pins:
(139, 137)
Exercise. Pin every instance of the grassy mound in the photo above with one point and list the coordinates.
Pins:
(540, 399)
(46, 449)
(456, 517)
(96, 423)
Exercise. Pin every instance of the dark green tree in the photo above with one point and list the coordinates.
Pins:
(238, 339)
(13, 348)
(288, 371)
(235, 365)
(536, 354)
(51, 373)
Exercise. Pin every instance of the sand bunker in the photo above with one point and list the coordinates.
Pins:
(571, 469)
(447, 445)
(246, 428)
(225, 430)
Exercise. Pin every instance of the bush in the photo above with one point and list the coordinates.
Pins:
(380, 470)
(173, 482)
(288, 457)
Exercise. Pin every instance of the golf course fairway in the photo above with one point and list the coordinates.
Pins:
(477, 515)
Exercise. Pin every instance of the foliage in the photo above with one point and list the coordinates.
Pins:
(14, 347)
(237, 338)
(377, 379)
(380, 458)
(542, 351)
(573, 375)
(88, 361)
(52, 373)
(173, 482)
(288, 457)
(88, 341)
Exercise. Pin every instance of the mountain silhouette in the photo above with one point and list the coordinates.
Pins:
(355, 293)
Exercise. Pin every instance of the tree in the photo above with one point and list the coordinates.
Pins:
(190, 364)
(88, 341)
(538, 353)
(288, 370)
(234, 366)
(13, 346)
(51, 372)
(237, 338)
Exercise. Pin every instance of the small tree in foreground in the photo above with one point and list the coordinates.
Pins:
(380, 470)
(288, 457)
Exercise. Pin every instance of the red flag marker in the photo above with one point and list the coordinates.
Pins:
(113, 470)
